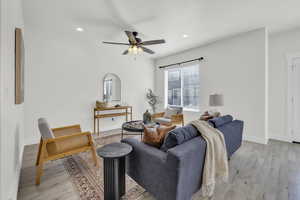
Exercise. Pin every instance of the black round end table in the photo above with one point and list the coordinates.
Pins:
(114, 169)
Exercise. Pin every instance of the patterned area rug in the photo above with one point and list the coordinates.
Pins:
(88, 179)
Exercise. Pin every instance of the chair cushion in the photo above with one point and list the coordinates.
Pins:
(219, 121)
(45, 129)
(155, 136)
(69, 144)
(169, 112)
(178, 109)
(162, 120)
(179, 136)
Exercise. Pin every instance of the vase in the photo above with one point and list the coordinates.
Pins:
(147, 117)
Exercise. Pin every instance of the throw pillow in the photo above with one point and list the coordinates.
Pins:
(220, 121)
(155, 136)
(179, 136)
(169, 112)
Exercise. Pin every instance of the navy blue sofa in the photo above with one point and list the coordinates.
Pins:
(175, 173)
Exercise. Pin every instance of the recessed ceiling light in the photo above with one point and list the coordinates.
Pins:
(185, 36)
(79, 29)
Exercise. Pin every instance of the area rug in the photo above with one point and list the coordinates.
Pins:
(88, 179)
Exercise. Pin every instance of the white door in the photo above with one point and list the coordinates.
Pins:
(296, 100)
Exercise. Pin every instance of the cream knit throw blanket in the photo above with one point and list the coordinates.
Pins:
(216, 160)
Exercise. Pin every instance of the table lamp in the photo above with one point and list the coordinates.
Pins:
(215, 100)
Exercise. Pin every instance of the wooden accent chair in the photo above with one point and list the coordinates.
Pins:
(61, 142)
(172, 116)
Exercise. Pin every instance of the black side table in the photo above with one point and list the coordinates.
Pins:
(136, 126)
(114, 169)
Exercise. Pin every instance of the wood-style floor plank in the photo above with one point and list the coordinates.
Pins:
(257, 172)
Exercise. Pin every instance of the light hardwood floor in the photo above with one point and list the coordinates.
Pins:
(257, 172)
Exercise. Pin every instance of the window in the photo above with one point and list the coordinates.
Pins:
(183, 86)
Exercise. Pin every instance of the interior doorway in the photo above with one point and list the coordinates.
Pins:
(294, 97)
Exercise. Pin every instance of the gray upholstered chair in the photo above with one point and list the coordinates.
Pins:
(172, 116)
(61, 142)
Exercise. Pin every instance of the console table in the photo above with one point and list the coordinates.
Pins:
(98, 114)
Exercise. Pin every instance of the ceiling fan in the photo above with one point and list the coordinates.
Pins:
(136, 45)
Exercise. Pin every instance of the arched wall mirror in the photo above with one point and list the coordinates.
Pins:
(111, 88)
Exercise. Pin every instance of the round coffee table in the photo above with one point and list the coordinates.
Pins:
(137, 127)
(114, 169)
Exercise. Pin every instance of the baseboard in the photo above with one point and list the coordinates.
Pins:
(255, 139)
(13, 194)
(32, 141)
(281, 138)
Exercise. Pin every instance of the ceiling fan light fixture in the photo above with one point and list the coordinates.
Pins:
(140, 50)
(136, 45)
(134, 48)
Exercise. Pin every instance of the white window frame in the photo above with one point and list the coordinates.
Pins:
(181, 88)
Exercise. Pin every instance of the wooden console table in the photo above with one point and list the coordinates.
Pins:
(98, 114)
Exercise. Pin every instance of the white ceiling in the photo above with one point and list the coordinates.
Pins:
(202, 20)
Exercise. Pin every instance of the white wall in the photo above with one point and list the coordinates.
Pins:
(64, 77)
(280, 45)
(235, 67)
(12, 116)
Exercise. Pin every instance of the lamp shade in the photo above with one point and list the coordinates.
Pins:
(216, 100)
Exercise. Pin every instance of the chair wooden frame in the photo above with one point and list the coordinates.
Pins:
(175, 119)
(43, 155)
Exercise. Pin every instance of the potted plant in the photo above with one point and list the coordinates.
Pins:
(152, 100)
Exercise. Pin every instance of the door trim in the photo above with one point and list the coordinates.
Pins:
(289, 119)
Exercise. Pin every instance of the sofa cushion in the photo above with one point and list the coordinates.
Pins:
(155, 136)
(162, 120)
(219, 121)
(179, 136)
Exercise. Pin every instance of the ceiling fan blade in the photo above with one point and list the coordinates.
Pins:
(117, 43)
(152, 42)
(125, 52)
(147, 50)
(131, 37)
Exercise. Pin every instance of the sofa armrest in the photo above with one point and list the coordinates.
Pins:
(233, 133)
(183, 153)
(188, 157)
(148, 151)
(148, 166)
